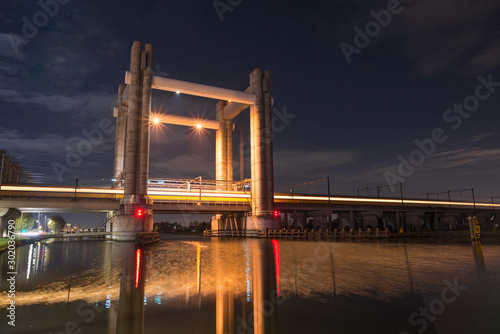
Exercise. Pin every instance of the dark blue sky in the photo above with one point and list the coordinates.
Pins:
(353, 121)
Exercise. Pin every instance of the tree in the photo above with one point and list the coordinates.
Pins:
(13, 171)
(26, 223)
(57, 223)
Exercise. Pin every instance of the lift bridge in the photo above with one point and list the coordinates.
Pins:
(246, 206)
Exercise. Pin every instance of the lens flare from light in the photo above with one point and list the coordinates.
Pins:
(156, 120)
(199, 126)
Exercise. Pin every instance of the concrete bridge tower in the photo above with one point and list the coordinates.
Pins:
(132, 146)
(133, 133)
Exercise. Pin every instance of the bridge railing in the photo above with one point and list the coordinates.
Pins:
(199, 183)
(86, 230)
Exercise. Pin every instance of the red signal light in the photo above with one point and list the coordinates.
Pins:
(139, 212)
(276, 213)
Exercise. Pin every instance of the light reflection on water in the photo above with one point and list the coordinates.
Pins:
(254, 286)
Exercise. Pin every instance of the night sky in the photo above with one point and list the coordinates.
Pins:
(359, 87)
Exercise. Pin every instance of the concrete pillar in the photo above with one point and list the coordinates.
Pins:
(391, 221)
(299, 220)
(223, 146)
(437, 221)
(134, 121)
(268, 139)
(449, 221)
(352, 219)
(415, 218)
(370, 219)
(144, 122)
(121, 118)
(261, 145)
(290, 222)
(228, 126)
(320, 218)
(399, 223)
(126, 224)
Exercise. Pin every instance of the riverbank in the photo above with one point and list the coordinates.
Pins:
(463, 235)
(4, 243)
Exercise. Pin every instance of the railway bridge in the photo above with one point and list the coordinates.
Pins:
(247, 205)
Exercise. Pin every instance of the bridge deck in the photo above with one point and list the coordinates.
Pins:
(169, 200)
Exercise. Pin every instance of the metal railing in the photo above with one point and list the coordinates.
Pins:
(200, 183)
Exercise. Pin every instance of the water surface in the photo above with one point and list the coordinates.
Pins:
(197, 285)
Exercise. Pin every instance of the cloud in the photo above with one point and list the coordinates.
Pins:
(447, 162)
(451, 36)
(88, 106)
(459, 37)
(15, 141)
(452, 159)
(476, 138)
(292, 162)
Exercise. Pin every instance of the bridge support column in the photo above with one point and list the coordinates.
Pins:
(299, 220)
(370, 220)
(399, 222)
(261, 151)
(449, 221)
(135, 214)
(320, 218)
(121, 124)
(223, 147)
(414, 220)
(391, 221)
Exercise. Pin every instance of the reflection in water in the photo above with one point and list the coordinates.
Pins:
(250, 286)
(477, 251)
(130, 317)
(257, 299)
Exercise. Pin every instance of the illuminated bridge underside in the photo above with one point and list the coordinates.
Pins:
(169, 200)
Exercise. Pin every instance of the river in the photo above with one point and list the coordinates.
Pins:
(200, 285)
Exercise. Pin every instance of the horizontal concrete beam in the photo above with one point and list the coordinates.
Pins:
(234, 108)
(190, 88)
(189, 121)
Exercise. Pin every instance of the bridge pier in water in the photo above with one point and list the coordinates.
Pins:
(132, 147)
